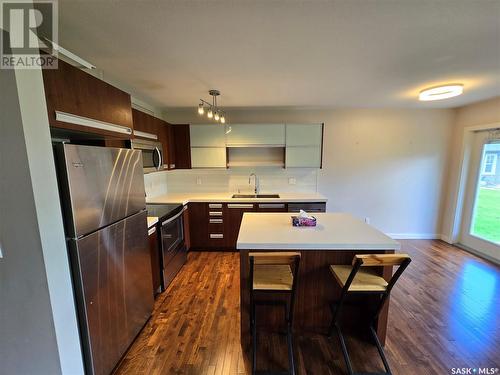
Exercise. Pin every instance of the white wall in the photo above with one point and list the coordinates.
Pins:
(481, 113)
(38, 326)
(383, 164)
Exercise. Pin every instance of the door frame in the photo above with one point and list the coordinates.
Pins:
(458, 201)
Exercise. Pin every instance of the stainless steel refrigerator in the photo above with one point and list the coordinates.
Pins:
(102, 193)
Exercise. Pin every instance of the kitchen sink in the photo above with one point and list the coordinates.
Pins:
(255, 196)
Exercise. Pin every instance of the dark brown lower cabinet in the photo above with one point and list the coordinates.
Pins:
(187, 232)
(215, 226)
(198, 228)
(154, 249)
(271, 207)
(234, 214)
(308, 207)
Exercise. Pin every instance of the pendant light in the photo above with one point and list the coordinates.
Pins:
(212, 109)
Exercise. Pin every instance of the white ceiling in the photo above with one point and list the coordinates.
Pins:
(279, 53)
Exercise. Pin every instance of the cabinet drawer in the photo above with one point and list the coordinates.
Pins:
(216, 228)
(309, 207)
(216, 241)
(271, 205)
(215, 221)
(215, 205)
(240, 205)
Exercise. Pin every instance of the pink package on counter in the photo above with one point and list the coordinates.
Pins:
(303, 221)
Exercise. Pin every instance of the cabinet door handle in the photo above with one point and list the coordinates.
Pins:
(271, 205)
(215, 213)
(215, 205)
(240, 205)
(215, 221)
(216, 235)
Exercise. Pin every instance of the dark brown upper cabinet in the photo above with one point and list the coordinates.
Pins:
(146, 126)
(80, 102)
(181, 145)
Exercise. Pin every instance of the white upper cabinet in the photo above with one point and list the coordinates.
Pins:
(303, 157)
(304, 134)
(208, 157)
(256, 135)
(212, 135)
(304, 145)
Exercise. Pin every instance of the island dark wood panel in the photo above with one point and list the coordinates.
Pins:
(316, 289)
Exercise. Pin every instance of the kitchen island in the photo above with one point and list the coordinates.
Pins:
(335, 240)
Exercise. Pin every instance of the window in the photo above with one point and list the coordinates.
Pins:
(490, 164)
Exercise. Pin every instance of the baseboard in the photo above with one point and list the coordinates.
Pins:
(415, 236)
(479, 254)
(447, 239)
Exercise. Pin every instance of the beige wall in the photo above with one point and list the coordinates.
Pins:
(383, 164)
(38, 324)
(481, 113)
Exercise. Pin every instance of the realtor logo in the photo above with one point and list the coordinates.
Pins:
(28, 27)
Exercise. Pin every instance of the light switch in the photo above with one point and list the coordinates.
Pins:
(198, 180)
(292, 181)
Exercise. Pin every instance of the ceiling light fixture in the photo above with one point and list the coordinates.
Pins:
(213, 111)
(441, 92)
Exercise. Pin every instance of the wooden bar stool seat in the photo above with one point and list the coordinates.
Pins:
(361, 278)
(275, 273)
(272, 277)
(365, 280)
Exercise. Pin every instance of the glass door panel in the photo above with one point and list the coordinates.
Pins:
(485, 222)
(481, 214)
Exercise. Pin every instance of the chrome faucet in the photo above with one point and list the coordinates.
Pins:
(256, 182)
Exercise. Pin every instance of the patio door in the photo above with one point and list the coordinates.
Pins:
(480, 229)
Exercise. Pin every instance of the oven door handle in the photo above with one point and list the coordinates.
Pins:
(172, 218)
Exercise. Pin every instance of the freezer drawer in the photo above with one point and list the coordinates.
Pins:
(112, 277)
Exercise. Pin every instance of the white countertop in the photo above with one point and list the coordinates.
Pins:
(334, 231)
(185, 198)
(152, 220)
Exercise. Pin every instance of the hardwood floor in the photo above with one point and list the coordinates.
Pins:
(444, 313)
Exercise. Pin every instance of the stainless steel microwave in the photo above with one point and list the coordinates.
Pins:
(152, 154)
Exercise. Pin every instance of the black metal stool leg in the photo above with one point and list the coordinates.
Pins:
(289, 339)
(380, 350)
(344, 350)
(253, 323)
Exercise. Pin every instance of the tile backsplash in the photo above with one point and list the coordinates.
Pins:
(271, 180)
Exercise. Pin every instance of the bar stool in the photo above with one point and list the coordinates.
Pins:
(276, 273)
(360, 278)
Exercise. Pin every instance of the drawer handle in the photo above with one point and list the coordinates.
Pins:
(215, 205)
(215, 221)
(215, 213)
(271, 205)
(240, 206)
(216, 235)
